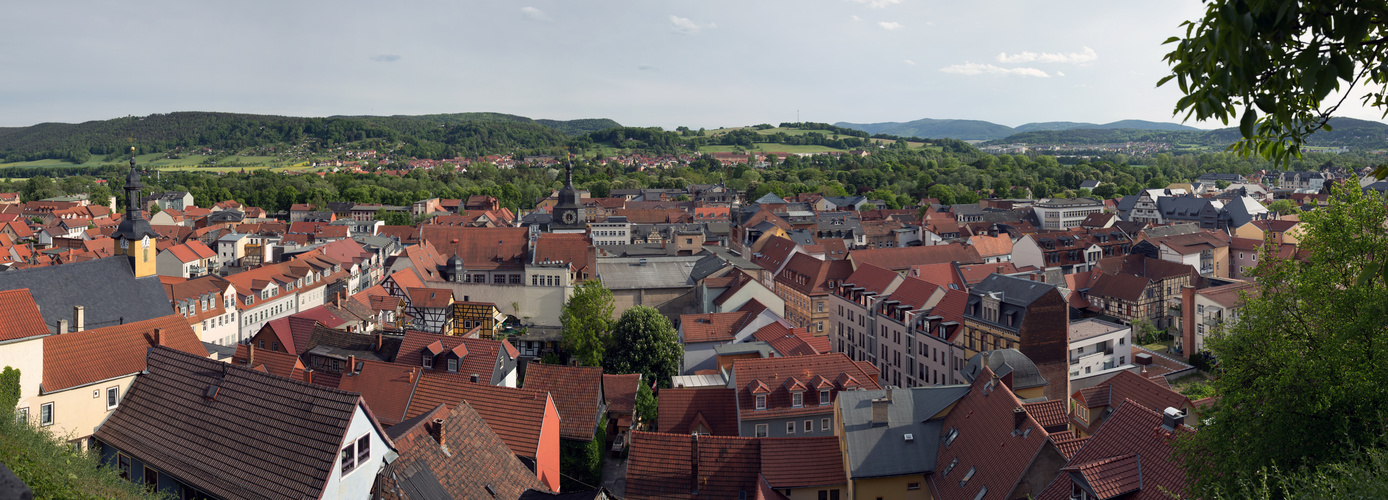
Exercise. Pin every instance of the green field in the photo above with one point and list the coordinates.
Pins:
(189, 162)
(773, 147)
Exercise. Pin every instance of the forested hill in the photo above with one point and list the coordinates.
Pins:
(1345, 132)
(461, 134)
(977, 130)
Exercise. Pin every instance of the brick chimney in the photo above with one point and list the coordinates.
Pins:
(250, 355)
(351, 363)
(440, 433)
(1019, 417)
(158, 336)
(308, 376)
(379, 340)
(79, 317)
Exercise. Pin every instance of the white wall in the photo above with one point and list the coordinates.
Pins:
(357, 483)
(27, 356)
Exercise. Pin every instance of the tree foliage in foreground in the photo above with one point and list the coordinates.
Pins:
(586, 318)
(1301, 382)
(1274, 64)
(643, 341)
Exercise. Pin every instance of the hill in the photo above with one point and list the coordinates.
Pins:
(929, 128)
(1346, 132)
(428, 135)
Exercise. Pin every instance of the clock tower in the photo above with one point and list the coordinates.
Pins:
(134, 238)
(568, 214)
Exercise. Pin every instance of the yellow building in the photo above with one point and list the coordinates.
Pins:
(134, 237)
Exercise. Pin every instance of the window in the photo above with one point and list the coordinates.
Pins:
(123, 465)
(824, 396)
(913, 486)
(453, 365)
(790, 428)
(761, 430)
(364, 449)
(761, 401)
(1120, 340)
(797, 399)
(46, 414)
(967, 476)
(112, 397)
(349, 458)
(21, 416)
(824, 424)
(151, 477)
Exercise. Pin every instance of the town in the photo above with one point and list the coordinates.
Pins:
(652, 343)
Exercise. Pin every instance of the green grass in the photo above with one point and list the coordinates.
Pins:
(769, 147)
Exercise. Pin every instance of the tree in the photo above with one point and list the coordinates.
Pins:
(1282, 59)
(1106, 190)
(941, 192)
(643, 341)
(394, 218)
(1221, 184)
(1282, 207)
(647, 407)
(1300, 381)
(586, 317)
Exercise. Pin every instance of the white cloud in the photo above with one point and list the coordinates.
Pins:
(534, 13)
(856, 18)
(1060, 73)
(687, 26)
(909, 62)
(889, 25)
(876, 4)
(971, 69)
(1046, 57)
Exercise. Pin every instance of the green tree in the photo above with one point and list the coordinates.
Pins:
(1282, 207)
(643, 341)
(1106, 190)
(1300, 381)
(941, 192)
(394, 218)
(647, 406)
(585, 318)
(1282, 59)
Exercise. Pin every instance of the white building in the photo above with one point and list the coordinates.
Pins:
(616, 230)
(1097, 345)
(1054, 214)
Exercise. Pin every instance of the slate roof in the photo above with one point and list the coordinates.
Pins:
(1132, 453)
(472, 462)
(882, 450)
(1001, 362)
(682, 410)
(19, 316)
(620, 391)
(1017, 295)
(106, 287)
(577, 393)
(89, 356)
(274, 437)
(984, 444)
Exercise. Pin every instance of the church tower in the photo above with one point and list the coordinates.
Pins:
(568, 213)
(134, 238)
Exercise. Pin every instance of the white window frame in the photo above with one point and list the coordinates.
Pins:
(762, 430)
(824, 424)
(790, 428)
(761, 401)
(426, 361)
(824, 396)
(797, 399)
(21, 415)
(51, 417)
(112, 397)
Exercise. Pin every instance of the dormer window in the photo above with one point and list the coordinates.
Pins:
(824, 396)
(453, 365)
(761, 401)
(427, 361)
(797, 399)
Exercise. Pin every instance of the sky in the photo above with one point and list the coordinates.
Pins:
(661, 63)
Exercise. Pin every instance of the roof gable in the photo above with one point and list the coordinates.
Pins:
(577, 393)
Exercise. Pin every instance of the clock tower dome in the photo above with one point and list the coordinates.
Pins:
(568, 214)
(134, 238)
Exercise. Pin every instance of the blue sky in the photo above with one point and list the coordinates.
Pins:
(704, 63)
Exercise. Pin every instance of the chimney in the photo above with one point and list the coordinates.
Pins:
(378, 341)
(1172, 418)
(351, 364)
(79, 317)
(158, 336)
(1019, 417)
(250, 355)
(473, 378)
(308, 376)
(440, 433)
(1007, 379)
(881, 407)
(62, 326)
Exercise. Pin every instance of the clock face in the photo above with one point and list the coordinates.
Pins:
(570, 217)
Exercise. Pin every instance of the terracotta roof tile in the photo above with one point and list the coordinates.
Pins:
(872, 278)
(992, 246)
(713, 327)
(802, 462)
(683, 410)
(1069, 445)
(985, 447)
(773, 372)
(1132, 451)
(786, 340)
(273, 362)
(902, 258)
(482, 358)
(475, 464)
(290, 452)
(620, 391)
(663, 466)
(1049, 414)
(943, 272)
(79, 358)
(481, 247)
(577, 393)
(516, 415)
(19, 315)
(434, 298)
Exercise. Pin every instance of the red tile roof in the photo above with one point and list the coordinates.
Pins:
(683, 410)
(1049, 414)
(273, 362)
(481, 248)
(811, 276)
(915, 292)
(19, 315)
(713, 327)
(992, 246)
(902, 258)
(1129, 385)
(574, 249)
(477, 463)
(664, 466)
(434, 298)
(481, 359)
(944, 273)
(1068, 444)
(516, 415)
(620, 391)
(985, 446)
(872, 278)
(1132, 453)
(773, 373)
(382, 386)
(577, 393)
(88, 356)
(786, 340)
(799, 462)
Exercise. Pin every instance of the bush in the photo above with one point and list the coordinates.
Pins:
(580, 463)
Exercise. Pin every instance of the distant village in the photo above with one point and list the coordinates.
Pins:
(831, 349)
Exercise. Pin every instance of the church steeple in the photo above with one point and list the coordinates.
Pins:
(134, 236)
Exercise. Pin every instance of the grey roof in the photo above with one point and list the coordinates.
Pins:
(706, 266)
(233, 237)
(658, 272)
(756, 346)
(1002, 362)
(882, 450)
(727, 255)
(769, 198)
(1089, 184)
(801, 237)
(1016, 295)
(107, 288)
(966, 209)
(1173, 230)
(1185, 207)
(1126, 203)
(1243, 209)
(846, 201)
(225, 216)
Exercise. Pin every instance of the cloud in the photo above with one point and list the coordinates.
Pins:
(1046, 57)
(909, 62)
(889, 25)
(856, 18)
(687, 26)
(385, 58)
(875, 4)
(1060, 73)
(971, 69)
(534, 13)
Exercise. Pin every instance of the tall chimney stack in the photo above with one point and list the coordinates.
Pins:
(1019, 417)
(62, 326)
(250, 355)
(158, 336)
(79, 317)
(351, 363)
(440, 432)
